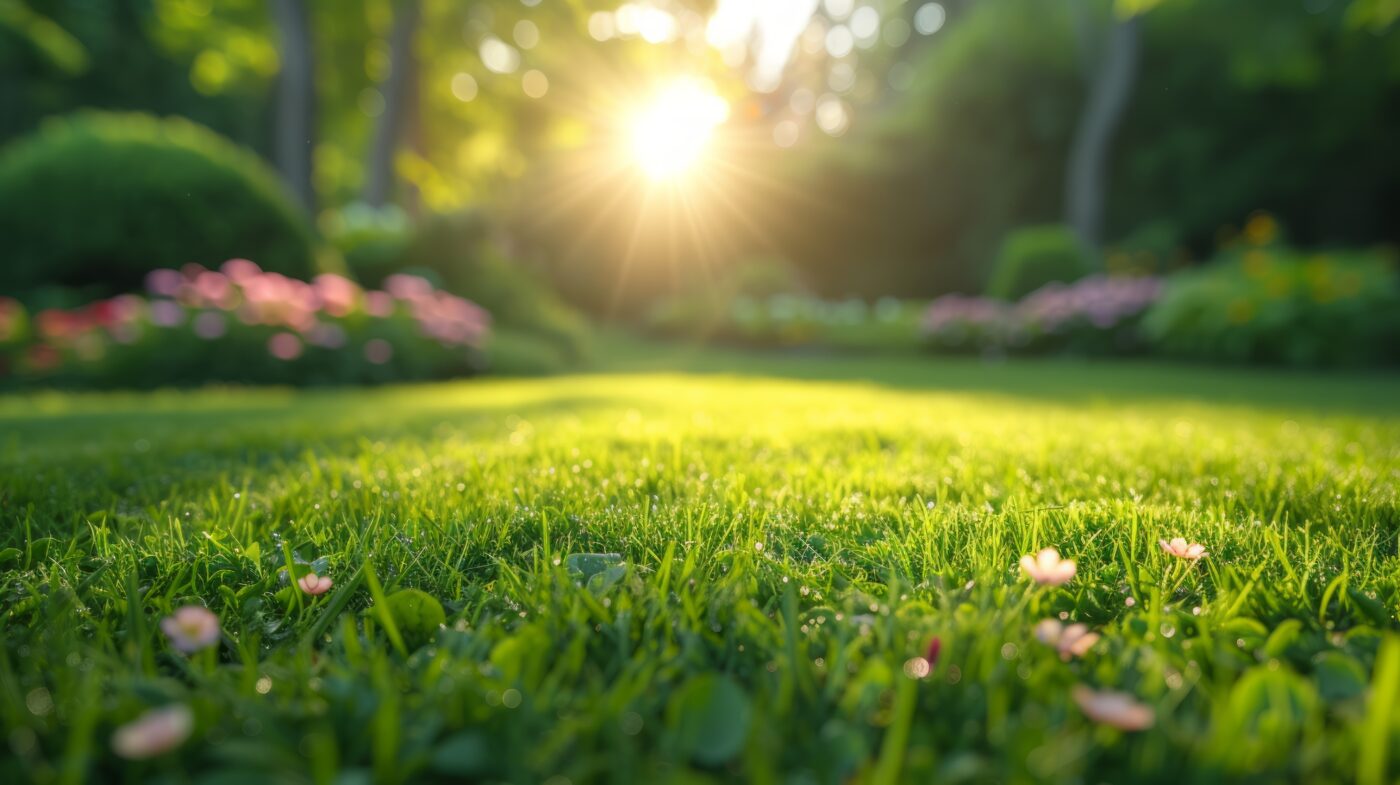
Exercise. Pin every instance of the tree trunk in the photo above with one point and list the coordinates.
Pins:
(398, 89)
(294, 137)
(1112, 73)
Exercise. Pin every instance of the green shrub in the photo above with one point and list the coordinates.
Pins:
(371, 240)
(1033, 257)
(513, 352)
(96, 201)
(455, 251)
(1276, 305)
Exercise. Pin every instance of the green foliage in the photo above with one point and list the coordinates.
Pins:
(516, 352)
(1269, 110)
(787, 320)
(372, 241)
(97, 201)
(1034, 256)
(763, 302)
(709, 717)
(1278, 305)
(417, 615)
(916, 198)
(457, 250)
(783, 554)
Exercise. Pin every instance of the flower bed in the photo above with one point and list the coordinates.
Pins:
(1096, 315)
(243, 325)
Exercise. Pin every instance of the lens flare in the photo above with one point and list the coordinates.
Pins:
(669, 137)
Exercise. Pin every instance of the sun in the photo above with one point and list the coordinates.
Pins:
(669, 136)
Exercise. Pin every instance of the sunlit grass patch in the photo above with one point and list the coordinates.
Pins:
(649, 577)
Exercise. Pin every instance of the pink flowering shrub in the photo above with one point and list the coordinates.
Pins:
(243, 325)
(1095, 315)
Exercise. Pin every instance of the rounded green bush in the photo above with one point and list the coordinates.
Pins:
(1033, 257)
(417, 614)
(97, 200)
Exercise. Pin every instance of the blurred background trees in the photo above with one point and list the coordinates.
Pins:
(872, 148)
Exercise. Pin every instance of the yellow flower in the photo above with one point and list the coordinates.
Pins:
(1261, 229)
(1256, 262)
(1240, 311)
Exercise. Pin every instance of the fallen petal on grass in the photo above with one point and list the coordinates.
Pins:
(154, 733)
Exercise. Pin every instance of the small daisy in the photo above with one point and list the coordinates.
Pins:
(156, 732)
(1181, 549)
(191, 628)
(1118, 709)
(1047, 568)
(1070, 641)
(314, 584)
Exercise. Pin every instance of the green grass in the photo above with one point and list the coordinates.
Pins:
(789, 538)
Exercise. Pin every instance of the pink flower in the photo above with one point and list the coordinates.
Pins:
(935, 646)
(210, 325)
(1047, 568)
(165, 283)
(191, 628)
(379, 351)
(313, 584)
(156, 732)
(336, 293)
(379, 304)
(166, 313)
(214, 289)
(407, 287)
(240, 270)
(1070, 641)
(328, 336)
(1118, 709)
(284, 346)
(1179, 548)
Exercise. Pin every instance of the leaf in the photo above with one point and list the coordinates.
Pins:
(1374, 611)
(601, 582)
(1283, 637)
(709, 717)
(583, 566)
(1339, 677)
(462, 755)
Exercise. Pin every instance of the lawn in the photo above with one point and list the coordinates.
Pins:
(791, 538)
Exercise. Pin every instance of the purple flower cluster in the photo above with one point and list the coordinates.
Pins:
(1095, 304)
(1102, 301)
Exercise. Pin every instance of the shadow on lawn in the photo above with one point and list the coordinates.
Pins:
(1059, 380)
